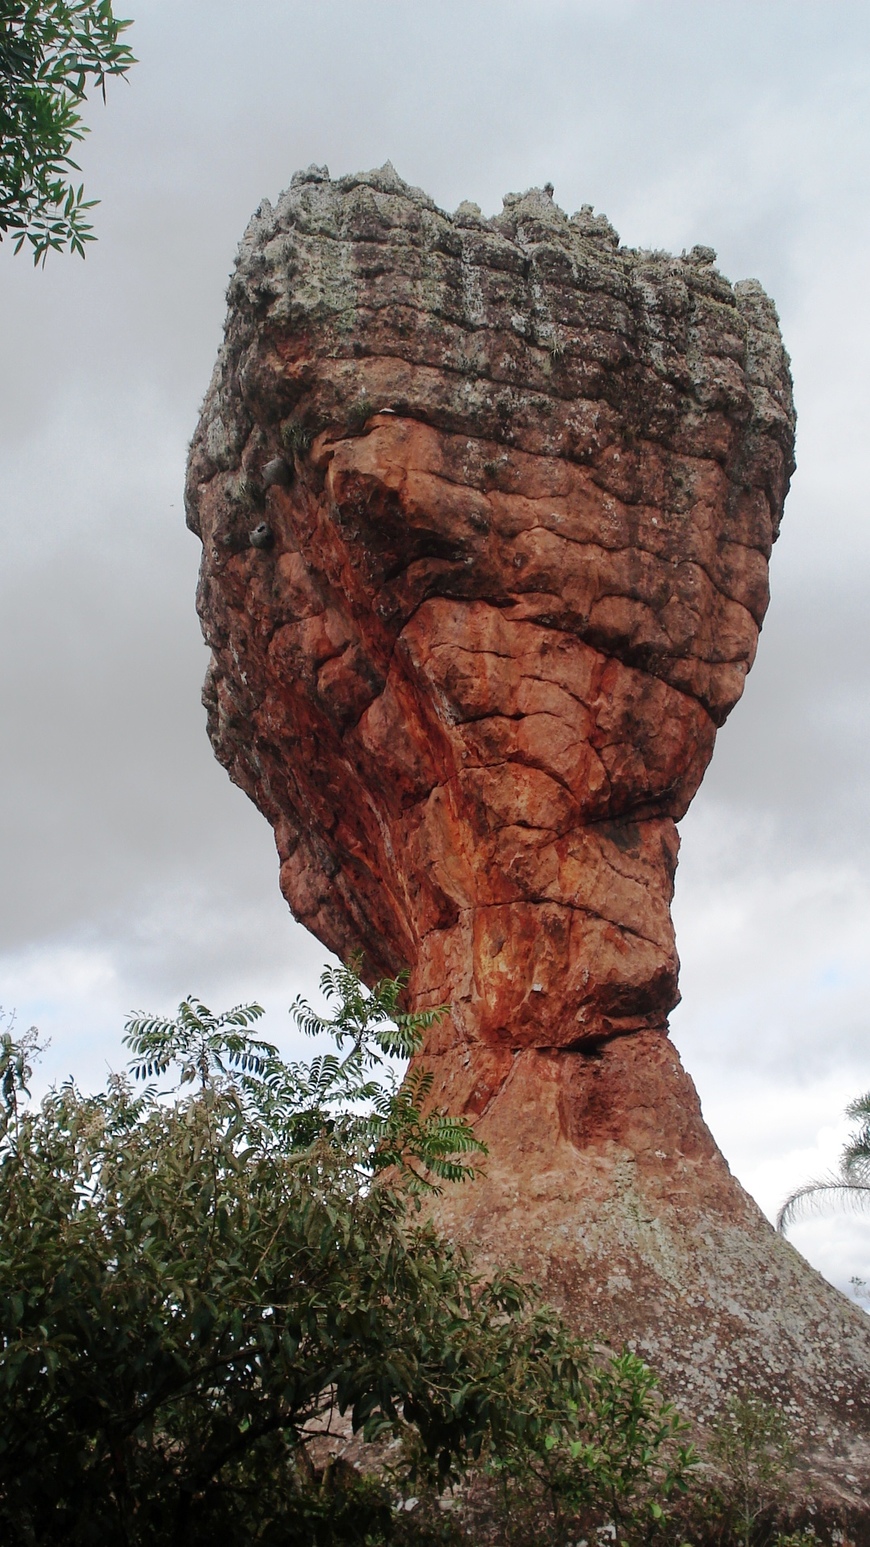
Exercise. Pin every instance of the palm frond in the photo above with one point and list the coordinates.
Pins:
(837, 1189)
(860, 1108)
(855, 1160)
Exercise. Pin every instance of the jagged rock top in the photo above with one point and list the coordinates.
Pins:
(549, 312)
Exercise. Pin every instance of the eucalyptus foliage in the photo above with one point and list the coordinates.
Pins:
(51, 52)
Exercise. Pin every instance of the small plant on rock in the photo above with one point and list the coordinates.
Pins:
(753, 1451)
(295, 438)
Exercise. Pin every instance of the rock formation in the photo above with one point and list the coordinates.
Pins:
(486, 508)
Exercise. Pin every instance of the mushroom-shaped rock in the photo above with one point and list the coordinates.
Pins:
(474, 679)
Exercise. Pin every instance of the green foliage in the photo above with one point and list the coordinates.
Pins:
(194, 1282)
(187, 1287)
(752, 1449)
(804, 1536)
(613, 1452)
(359, 414)
(352, 1101)
(202, 1045)
(295, 438)
(849, 1185)
(856, 1155)
(50, 52)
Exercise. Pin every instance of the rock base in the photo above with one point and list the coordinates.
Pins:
(604, 1183)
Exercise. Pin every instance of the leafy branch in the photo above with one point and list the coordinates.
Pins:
(51, 52)
(350, 1098)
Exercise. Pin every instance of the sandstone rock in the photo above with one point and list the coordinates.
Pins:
(514, 575)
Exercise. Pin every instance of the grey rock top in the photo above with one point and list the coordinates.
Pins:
(545, 332)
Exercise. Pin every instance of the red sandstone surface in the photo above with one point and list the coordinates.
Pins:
(486, 510)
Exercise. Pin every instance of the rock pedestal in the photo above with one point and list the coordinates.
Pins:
(486, 510)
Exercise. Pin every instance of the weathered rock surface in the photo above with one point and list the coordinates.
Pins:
(486, 510)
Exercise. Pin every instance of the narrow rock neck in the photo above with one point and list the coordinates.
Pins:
(588, 956)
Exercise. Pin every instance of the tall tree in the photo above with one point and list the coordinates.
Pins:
(51, 53)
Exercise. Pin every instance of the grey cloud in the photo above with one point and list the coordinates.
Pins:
(133, 872)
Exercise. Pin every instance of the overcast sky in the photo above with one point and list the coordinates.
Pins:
(132, 871)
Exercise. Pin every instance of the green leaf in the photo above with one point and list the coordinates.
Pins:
(49, 53)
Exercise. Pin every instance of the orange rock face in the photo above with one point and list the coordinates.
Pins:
(486, 509)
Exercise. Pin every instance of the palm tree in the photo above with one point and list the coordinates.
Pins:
(849, 1186)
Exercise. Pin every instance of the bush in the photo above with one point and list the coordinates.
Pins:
(192, 1282)
(752, 1452)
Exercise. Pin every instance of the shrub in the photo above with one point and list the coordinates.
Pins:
(193, 1281)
